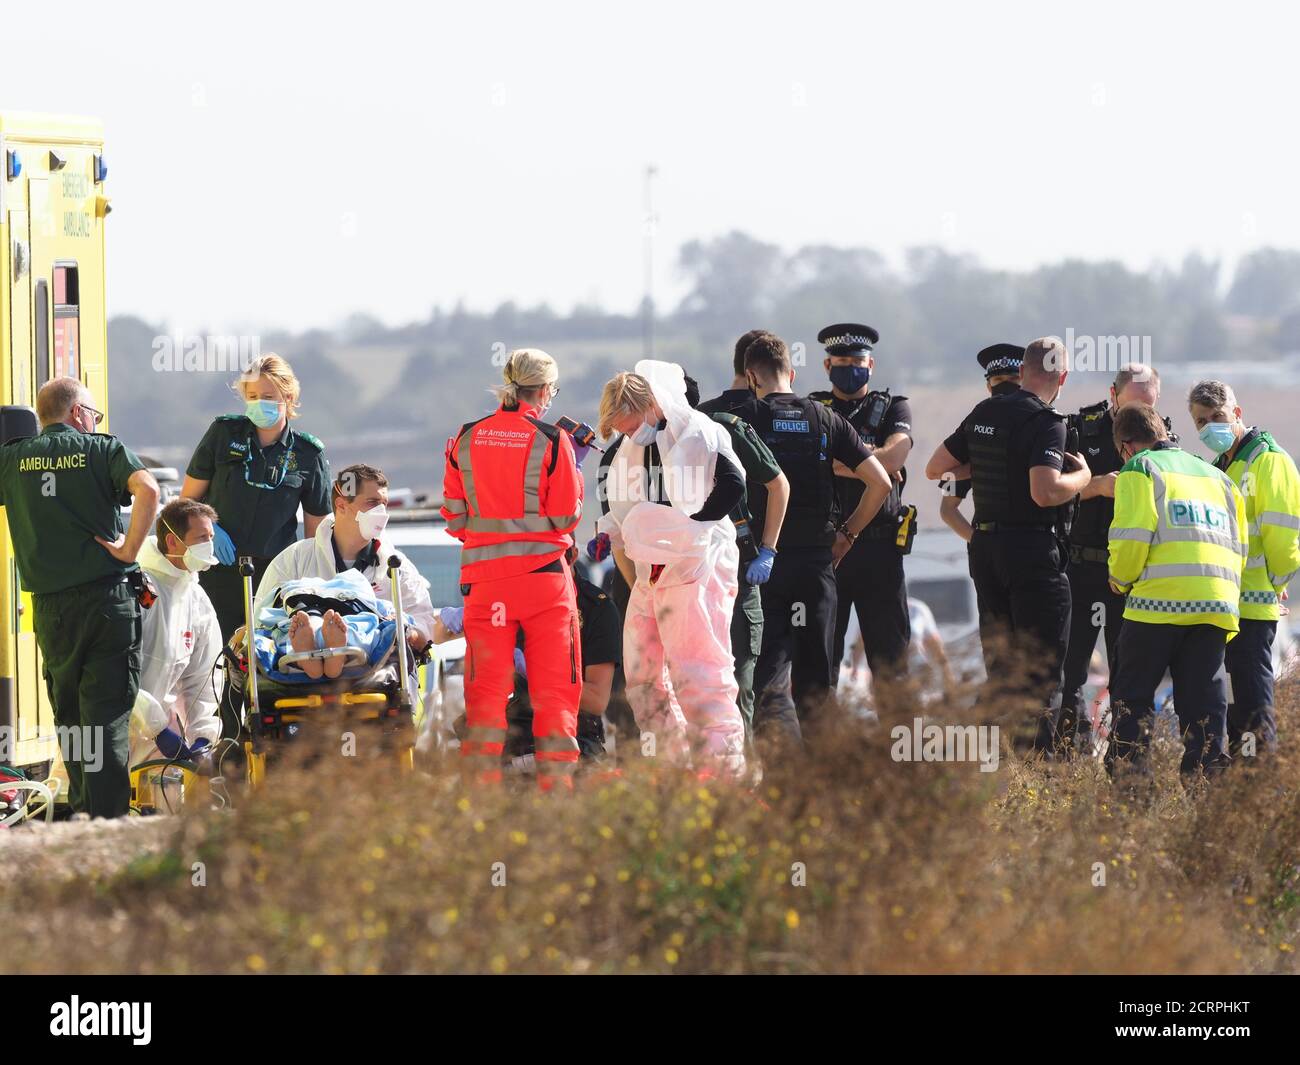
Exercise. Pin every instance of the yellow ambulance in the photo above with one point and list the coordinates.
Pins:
(52, 323)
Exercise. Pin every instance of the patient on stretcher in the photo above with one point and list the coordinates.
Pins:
(320, 628)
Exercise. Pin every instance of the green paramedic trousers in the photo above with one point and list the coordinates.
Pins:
(89, 638)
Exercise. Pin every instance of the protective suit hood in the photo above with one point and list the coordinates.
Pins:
(668, 386)
(159, 566)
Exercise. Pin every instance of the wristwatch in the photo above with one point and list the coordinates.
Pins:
(843, 530)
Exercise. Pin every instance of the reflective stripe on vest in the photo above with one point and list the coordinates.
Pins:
(532, 520)
(1181, 606)
(1141, 535)
(507, 548)
(1187, 569)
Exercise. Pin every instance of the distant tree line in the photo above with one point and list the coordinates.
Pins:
(394, 395)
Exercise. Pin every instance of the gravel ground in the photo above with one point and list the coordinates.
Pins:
(65, 849)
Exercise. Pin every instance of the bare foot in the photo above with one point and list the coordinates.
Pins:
(335, 634)
(301, 638)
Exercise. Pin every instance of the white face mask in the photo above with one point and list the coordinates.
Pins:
(645, 434)
(199, 557)
(373, 521)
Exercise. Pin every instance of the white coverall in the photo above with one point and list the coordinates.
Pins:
(180, 645)
(681, 681)
(315, 558)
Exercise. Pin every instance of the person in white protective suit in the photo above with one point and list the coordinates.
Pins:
(352, 538)
(175, 712)
(669, 490)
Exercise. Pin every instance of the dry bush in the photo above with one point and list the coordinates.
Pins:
(347, 865)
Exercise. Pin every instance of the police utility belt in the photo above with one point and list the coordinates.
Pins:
(902, 533)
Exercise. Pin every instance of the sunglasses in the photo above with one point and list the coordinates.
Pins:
(95, 415)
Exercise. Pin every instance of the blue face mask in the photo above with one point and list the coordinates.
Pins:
(262, 412)
(1218, 436)
(848, 379)
(645, 434)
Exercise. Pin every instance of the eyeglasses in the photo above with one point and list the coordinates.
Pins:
(96, 416)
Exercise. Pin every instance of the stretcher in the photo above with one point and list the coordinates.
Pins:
(380, 694)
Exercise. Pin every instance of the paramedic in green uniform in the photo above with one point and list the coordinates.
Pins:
(62, 491)
(255, 471)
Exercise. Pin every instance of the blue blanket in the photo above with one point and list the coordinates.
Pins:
(370, 622)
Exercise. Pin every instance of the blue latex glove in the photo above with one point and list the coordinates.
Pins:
(580, 452)
(520, 666)
(453, 618)
(224, 546)
(171, 744)
(758, 571)
(599, 547)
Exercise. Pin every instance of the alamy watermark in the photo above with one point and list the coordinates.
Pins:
(1086, 351)
(919, 742)
(82, 744)
(180, 353)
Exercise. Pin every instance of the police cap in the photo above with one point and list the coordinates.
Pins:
(848, 339)
(998, 359)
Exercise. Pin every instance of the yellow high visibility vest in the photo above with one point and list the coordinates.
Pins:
(1178, 540)
(1271, 486)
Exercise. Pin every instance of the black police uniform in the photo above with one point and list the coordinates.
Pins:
(731, 400)
(799, 598)
(1094, 605)
(61, 489)
(1017, 554)
(256, 493)
(997, 360)
(869, 578)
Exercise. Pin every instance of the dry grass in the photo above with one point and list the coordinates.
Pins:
(907, 868)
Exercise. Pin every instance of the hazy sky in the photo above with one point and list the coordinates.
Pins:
(287, 164)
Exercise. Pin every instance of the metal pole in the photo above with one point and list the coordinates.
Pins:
(648, 302)
(246, 571)
(395, 564)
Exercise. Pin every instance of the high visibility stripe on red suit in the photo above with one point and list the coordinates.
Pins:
(512, 494)
(544, 606)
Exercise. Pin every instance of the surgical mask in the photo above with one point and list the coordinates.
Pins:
(197, 557)
(848, 379)
(263, 413)
(645, 434)
(373, 521)
(1218, 436)
(200, 556)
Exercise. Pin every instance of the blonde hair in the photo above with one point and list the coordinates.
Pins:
(280, 373)
(526, 369)
(624, 393)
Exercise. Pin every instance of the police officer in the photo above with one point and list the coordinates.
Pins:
(757, 554)
(1267, 478)
(1093, 604)
(1015, 446)
(739, 394)
(1177, 551)
(1001, 366)
(62, 491)
(869, 579)
(256, 471)
(799, 598)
